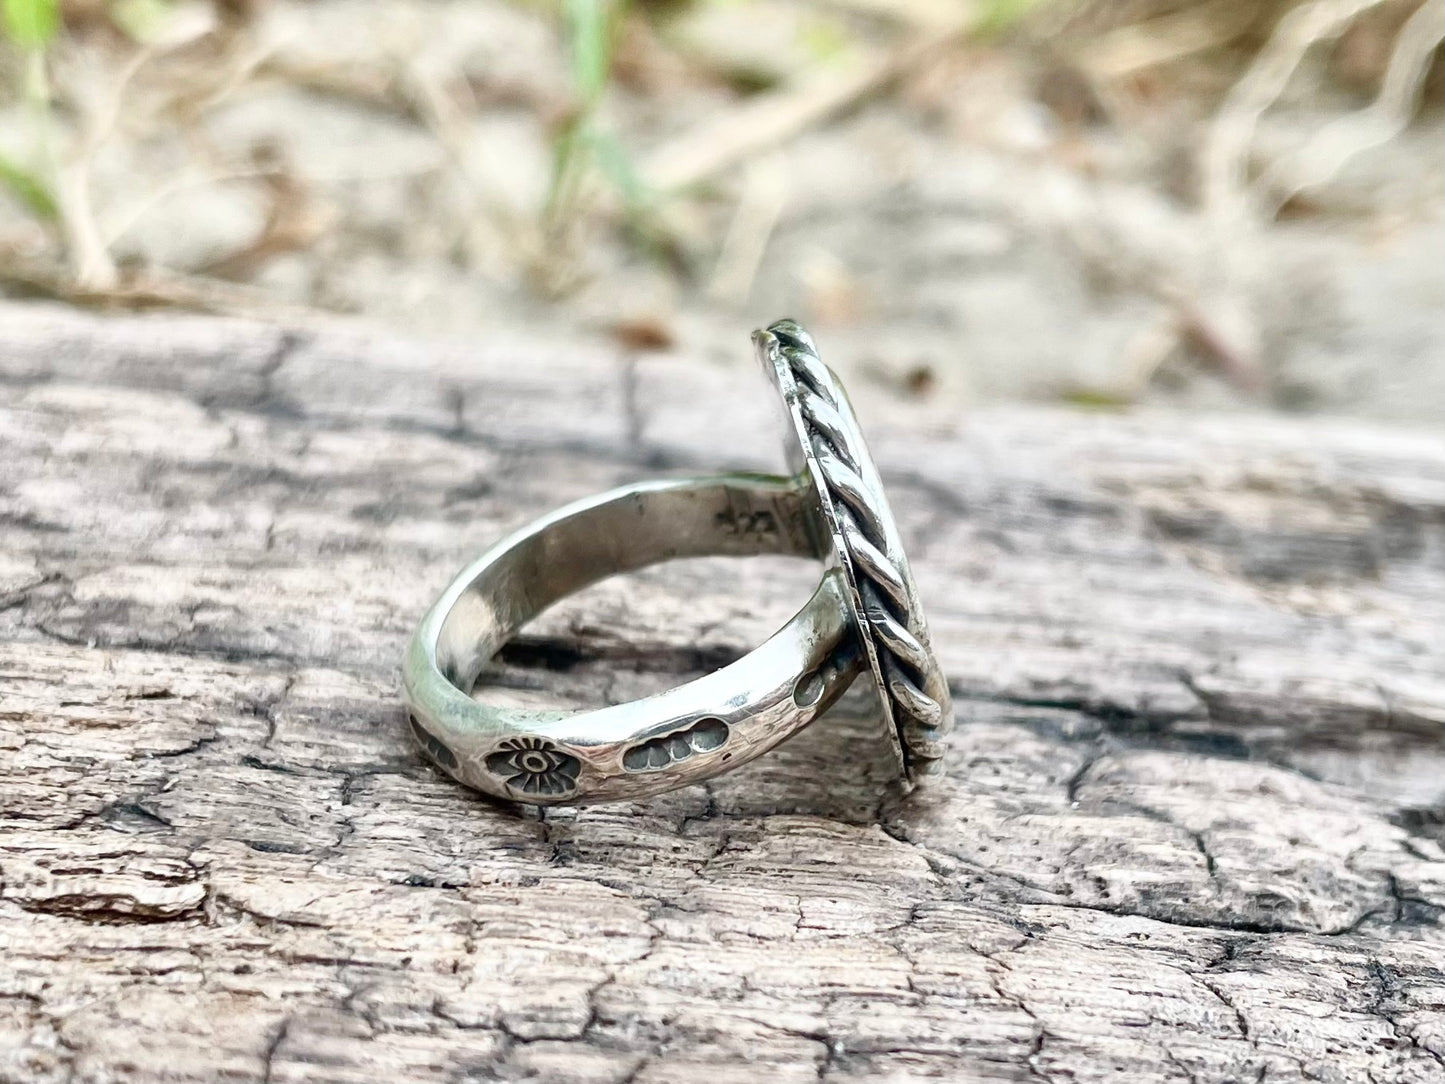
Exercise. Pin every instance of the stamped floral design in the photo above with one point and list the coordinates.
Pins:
(534, 766)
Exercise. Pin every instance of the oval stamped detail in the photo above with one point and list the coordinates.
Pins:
(703, 736)
(434, 746)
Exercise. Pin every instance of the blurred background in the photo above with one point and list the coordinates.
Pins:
(1201, 203)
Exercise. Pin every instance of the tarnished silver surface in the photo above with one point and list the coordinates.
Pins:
(864, 616)
(631, 750)
(880, 589)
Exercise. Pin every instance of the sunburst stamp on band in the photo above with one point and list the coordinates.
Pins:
(535, 766)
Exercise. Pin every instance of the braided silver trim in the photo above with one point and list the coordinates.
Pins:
(913, 690)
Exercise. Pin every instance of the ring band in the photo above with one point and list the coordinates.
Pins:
(864, 616)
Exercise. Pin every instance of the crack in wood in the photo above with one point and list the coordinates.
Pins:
(199, 632)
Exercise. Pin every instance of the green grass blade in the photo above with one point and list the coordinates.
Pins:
(616, 166)
(32, 24)
(29, 190)
(999, 16)
(589, 31)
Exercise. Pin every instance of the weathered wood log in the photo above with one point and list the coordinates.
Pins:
(1190, 827)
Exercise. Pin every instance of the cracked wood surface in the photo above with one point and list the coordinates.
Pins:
(1190, 827)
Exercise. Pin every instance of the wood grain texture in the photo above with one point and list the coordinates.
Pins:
(1190, 827)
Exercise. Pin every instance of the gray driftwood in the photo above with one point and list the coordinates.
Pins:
(1190, 828)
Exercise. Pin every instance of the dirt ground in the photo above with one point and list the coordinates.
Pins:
(1206, 205)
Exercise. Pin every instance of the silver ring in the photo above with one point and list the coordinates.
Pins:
(864, 617)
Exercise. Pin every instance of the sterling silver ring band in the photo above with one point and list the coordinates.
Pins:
(864, 617)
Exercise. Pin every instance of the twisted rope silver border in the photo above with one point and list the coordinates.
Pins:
(914, 691)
